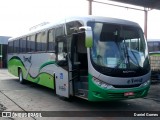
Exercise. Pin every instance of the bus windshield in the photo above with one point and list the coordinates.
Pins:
(118, 47)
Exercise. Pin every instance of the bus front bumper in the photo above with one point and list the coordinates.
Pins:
(97, 93)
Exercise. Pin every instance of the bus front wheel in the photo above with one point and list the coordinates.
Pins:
(21, 79)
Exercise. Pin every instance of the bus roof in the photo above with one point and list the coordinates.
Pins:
(85, 19)
(153, 40)
(102, 19)
(4, 39)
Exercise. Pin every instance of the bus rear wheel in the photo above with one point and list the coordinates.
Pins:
(20, 75)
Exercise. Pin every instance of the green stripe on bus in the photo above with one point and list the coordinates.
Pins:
(154, 54)
(43, 78)
(45, 64)
(97, 93)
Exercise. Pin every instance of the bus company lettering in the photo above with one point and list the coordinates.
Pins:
(137, 80)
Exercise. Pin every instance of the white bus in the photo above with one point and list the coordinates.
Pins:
(154, 53)
(94, 58)
(3, 51)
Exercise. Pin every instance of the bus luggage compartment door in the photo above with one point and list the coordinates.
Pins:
(61, 81)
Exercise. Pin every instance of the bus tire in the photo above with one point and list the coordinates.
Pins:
(20, 75)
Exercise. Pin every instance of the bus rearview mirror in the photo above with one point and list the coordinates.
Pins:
(88, 36)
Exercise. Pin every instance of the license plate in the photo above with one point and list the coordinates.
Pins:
(129, 94)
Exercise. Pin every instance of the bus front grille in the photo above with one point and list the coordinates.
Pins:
(126, 86)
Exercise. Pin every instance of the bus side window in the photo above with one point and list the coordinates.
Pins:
(70, 28)
(10, 45)
(156, 46)
(61, 53)
(51, 40)
(41, 41)
(28, 45)
(22, 45)
(73, 27)
(38, 42)
(32, 43)
(16, 46)
(59, 31)
(150, 46)
(44, 41)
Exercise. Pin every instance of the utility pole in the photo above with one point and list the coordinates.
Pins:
(90, 6)
(145, 22)
(145, 12)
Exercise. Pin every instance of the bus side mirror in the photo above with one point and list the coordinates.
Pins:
(88, 36)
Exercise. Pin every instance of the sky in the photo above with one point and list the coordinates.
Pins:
(17, 16)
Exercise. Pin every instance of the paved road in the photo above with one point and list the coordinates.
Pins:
(31, 97)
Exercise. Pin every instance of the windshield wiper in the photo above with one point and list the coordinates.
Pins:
(126, 59)
(135, 58)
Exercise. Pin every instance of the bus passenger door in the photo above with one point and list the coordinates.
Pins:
(61, 72)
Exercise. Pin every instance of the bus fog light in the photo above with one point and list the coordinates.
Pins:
(101, 83)
(145, 83)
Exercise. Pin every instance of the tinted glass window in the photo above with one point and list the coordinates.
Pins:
(62, 51)
(10, 47)
(73, 27)
(23, 45)
(59, 31)
(150, 46)
(44, 41)
(156, 46)
(51, 40)
(70, 28)
(41, 41)
(16, 46)
(32, 43)
(28, 45)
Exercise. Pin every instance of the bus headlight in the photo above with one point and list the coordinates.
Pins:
(145, 83)
(101, 83)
